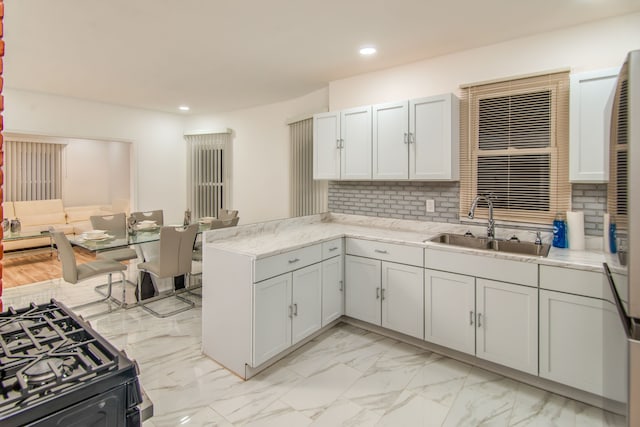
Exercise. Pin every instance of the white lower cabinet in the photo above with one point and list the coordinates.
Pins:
(401, 298)
(362, 299)
(271, 321)
(493, 320)
(507, 324)
(574, 330)
(385, 293)
(449, 310)
(286, 309)
(332, 290)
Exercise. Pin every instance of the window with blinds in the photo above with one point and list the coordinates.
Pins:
(514, 145)
(618, 174)
(32, 170)
(307, 196)
(209, 174)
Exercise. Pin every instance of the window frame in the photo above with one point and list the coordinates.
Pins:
(558, 150)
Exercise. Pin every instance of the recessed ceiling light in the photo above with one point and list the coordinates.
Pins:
(367, 50)
(183, 108)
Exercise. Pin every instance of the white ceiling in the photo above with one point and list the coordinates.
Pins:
(222, 55)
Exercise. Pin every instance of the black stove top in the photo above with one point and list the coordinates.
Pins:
(51, 359)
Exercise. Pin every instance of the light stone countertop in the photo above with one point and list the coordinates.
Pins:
(274, 237)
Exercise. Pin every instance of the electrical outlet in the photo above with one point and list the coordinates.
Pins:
(431, 205)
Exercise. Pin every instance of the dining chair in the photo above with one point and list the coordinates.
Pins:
(227, 213)
(73, 272)
(115, 225)
(174, 260)
(156, 216)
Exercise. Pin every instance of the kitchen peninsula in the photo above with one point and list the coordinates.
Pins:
(269, 288)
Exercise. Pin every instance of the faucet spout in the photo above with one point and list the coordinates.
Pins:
(491, 225)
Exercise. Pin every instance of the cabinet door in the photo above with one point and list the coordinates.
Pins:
(573, 332)
(332, 290)
(362, 281)
(402, 298)
(507, 324)
(307, 301)
(449, 315)
(391, 141)
(272, 313)
(355, 134)
(326, 146)
(433, 147)
(589, 116)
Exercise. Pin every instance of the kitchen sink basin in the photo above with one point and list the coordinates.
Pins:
(510, 246)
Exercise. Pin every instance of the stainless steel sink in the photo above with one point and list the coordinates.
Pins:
(510, 246)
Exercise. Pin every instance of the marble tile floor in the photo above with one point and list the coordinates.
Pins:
(345, 377)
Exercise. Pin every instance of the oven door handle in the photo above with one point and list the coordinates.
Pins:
(624, 319)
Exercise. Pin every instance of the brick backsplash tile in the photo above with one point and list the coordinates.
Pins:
(407, 200)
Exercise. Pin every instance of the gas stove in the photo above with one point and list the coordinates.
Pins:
(56, 370)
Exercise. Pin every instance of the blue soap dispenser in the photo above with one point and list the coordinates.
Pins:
(560, 231)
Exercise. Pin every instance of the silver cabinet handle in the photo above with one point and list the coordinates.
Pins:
(333, 249)
(341, 286)
(295, 309)
(380, 251)
(383, 289)
(479, 320)
(406, 138)
(338, 143)
(377, 293)
(291, 261)
(341, 143)
(471, 317)
(290, 311)
(412, 137)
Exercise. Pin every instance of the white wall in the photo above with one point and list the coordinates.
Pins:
(600, 44)
(260, 140)
(95, 172)
(159, 154)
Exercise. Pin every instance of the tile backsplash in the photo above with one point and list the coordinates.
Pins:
(407, 200)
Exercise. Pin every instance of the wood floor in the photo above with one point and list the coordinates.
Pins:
(25, 267)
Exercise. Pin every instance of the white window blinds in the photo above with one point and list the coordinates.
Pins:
(32, 170)
(515, 146)
(307, 196)
(209, 173)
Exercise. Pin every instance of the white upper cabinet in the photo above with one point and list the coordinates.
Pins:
(326, 146)
(434, 138)
(391, 141)
(355, 143)
(589, 115)
(417, 139)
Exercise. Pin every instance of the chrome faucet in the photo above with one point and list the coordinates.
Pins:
(491, 226)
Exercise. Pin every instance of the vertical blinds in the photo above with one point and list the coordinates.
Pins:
(208, 169)
(514, 145)
(33, 170)
(307, 196)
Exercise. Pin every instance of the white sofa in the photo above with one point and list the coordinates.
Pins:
(39, 215)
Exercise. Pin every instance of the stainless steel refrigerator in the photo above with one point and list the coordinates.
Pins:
(623, 269)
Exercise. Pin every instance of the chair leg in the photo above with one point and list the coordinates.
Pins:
(144, 302)
(107, 298)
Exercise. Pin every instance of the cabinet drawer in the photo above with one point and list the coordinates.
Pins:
(332, 248)
(402, 254)
(572, 281)
(285, 262)
(503, 270)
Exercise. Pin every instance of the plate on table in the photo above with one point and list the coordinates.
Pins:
(146, 226)
(97, 237)
(206, 219)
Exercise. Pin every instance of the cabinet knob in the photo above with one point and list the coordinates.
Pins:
(479, 320)
(333, 249)
(291, 261)
(377, 293)
(471, 317)
(341, 285)
(380, 251)
(406, 138)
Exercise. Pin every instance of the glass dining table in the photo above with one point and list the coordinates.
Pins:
(143, 241)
